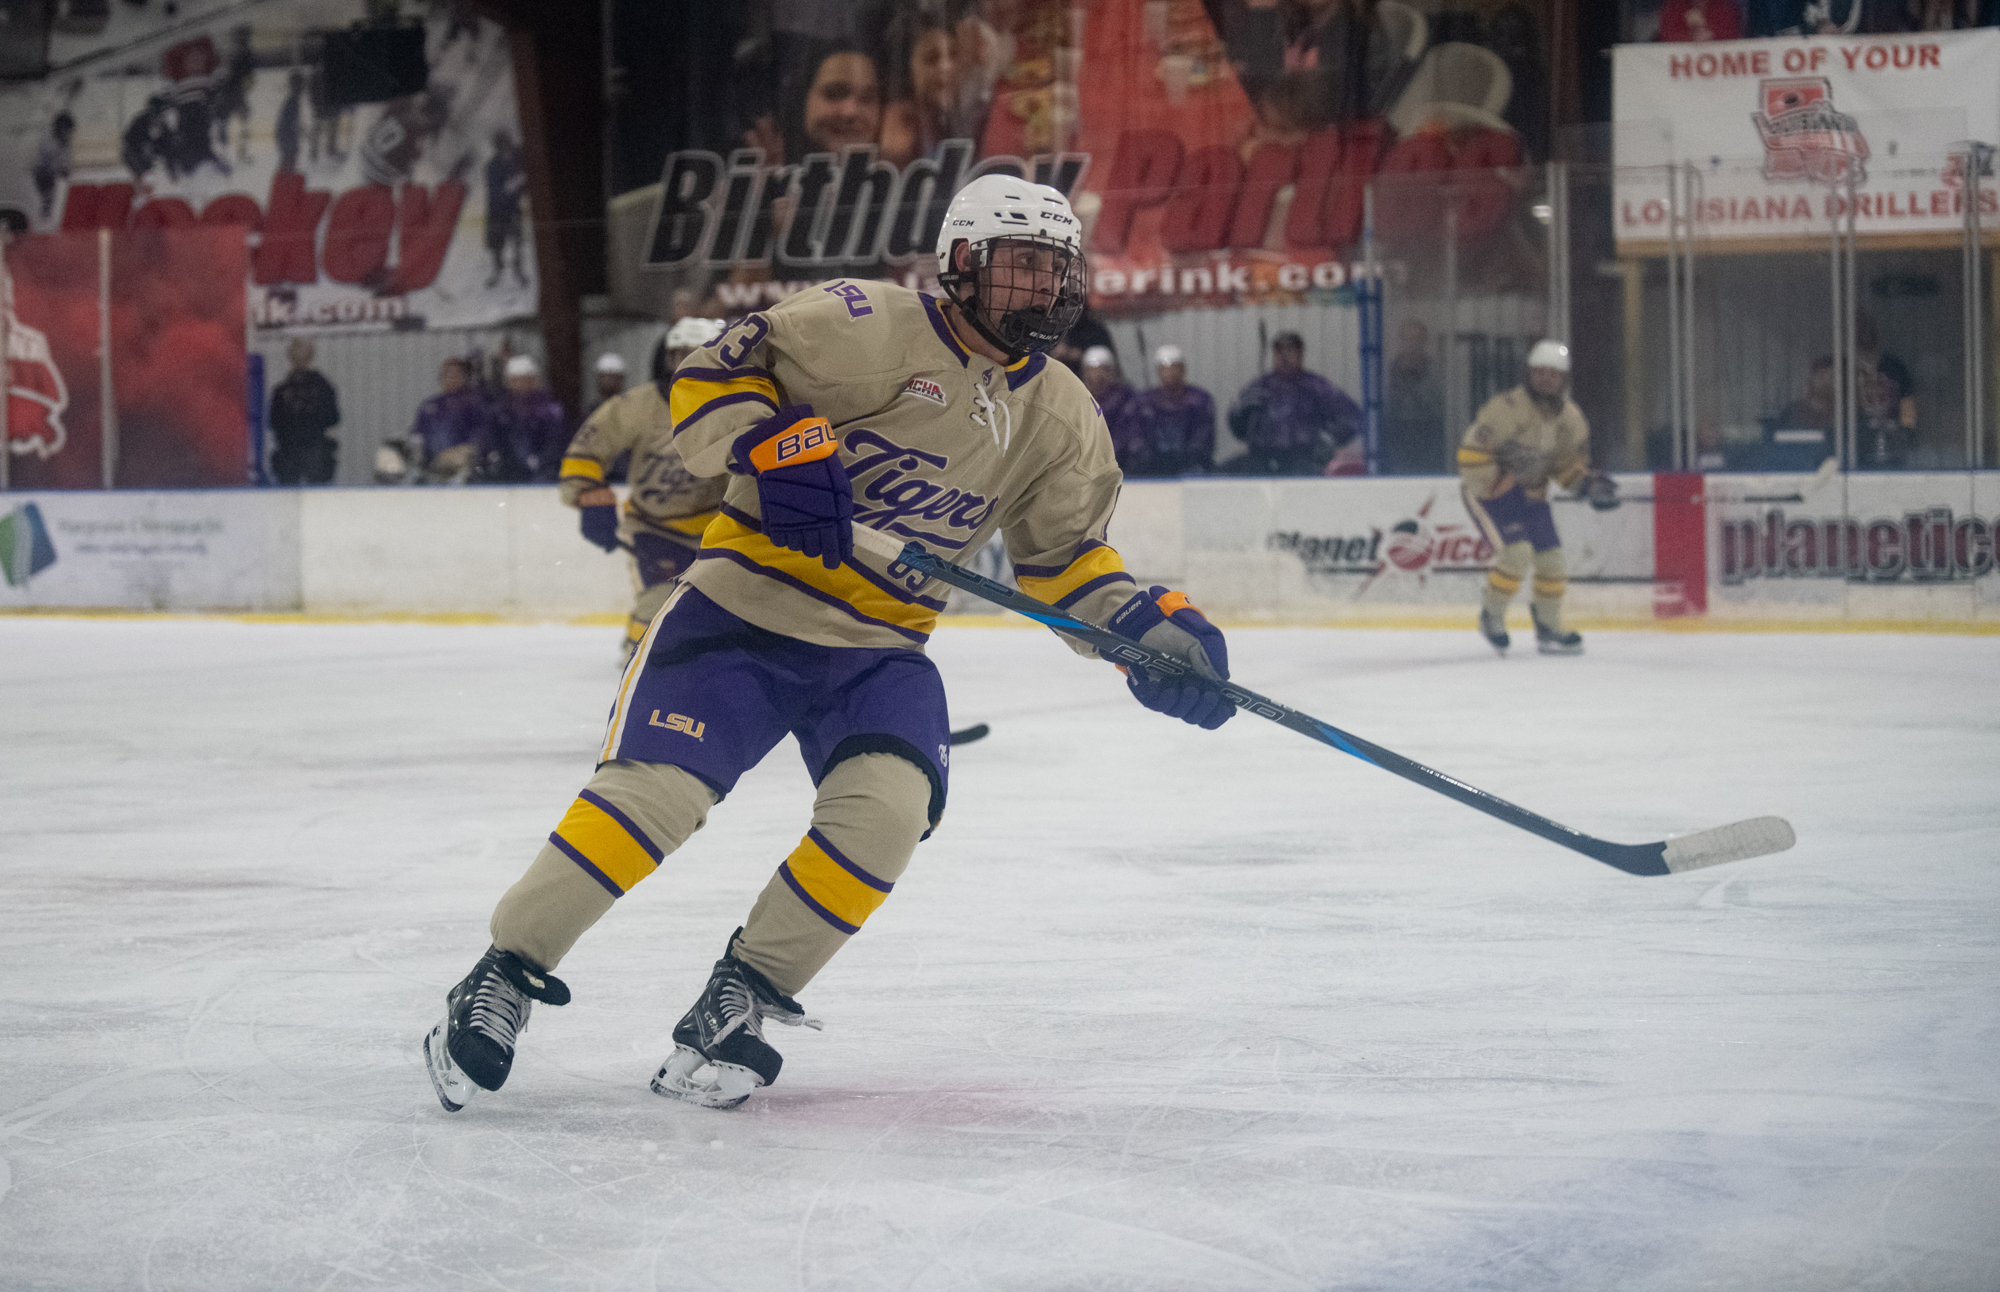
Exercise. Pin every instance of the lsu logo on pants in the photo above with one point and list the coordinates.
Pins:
(679, 722)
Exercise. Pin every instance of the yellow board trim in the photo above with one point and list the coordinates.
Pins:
(830, 884)
(692, 394)
(583, 468)
(590, 830)
(1094, 564)
(725, 533)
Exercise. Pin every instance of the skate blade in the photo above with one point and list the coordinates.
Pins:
(689, 1076)
(1556, 648)
(454, 1091)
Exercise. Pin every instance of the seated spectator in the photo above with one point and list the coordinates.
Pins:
(1801, 436)
(1179, 421)
(610, 376)
(1120, 405)
(922, 86)
(1291, 420)
(442, 441)
(528, 431)
(1694, 20)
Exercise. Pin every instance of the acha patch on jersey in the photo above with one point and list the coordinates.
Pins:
(925, 388)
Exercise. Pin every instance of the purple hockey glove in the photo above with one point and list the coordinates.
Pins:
(599, 522)
(802, 490)
(1167, 621)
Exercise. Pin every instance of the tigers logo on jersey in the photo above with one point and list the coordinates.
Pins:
(925, 388)
(36, 395)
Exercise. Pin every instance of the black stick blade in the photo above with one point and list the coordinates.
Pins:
(966, 735)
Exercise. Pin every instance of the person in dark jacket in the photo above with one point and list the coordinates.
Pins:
(1292, 421)
(1120, 405)
(1179, 420)
(528, 430)
(303, 409)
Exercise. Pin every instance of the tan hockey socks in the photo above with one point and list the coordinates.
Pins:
(625, 821)
(1551, 581)
(1510, 569)
(871, 811)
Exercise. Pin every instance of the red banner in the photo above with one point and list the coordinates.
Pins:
(177, 364)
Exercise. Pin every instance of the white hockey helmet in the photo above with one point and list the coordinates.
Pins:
(1549, 354)
(692, 333)
(999, 209)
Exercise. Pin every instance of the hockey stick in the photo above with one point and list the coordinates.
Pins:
(966, 735)
(1753, 838)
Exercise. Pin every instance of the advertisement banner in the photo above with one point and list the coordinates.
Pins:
(1902, 545)
(1788, 131)
(1210, 166)
(181, 550)
(407, 213)
(1359, 549)
(171, 304)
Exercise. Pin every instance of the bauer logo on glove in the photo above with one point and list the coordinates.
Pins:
(806, 500)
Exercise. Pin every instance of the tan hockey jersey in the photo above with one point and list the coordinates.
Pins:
(942, 445)
(1513, 441)
(665, 496)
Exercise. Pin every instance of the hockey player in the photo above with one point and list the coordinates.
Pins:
(848, 403)
(1522, 439)
(669, 505)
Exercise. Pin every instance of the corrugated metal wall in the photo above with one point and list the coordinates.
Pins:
(381, 377)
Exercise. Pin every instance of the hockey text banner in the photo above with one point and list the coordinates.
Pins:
(1210, 166)
(1789, 132)
(403, 213)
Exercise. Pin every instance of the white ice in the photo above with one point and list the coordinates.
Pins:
(1154, 1009)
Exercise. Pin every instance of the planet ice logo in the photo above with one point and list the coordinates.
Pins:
(1410, 546)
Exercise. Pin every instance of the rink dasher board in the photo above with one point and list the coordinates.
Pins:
(1314, 551)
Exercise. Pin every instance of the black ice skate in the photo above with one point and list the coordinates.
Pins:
(720, 1054)
(1494, 629)
(1553, 641)
(472, 1047)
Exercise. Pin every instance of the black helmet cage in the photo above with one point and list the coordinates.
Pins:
(1058, 296)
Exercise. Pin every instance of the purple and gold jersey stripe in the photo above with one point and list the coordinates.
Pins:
(583, 469)
(1473, 457)
(1093, 568)
(689, 525)
(832, 887)
(852, 590)
(604, 841)
(700, 391)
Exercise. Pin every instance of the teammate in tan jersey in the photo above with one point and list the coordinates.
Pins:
(1522, 439)
(935, 420)
(669, 505)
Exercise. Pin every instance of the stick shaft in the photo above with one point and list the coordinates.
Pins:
(1637, 859)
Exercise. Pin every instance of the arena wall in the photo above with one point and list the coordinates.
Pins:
(1735, 550)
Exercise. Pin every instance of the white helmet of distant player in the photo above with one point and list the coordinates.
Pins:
(693, 333)
(1549, 354)
(992, 217)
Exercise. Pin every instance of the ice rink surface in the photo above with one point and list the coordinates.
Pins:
(1155, 1009)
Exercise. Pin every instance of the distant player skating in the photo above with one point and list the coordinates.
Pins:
(669, 505)
(1522, 439)
(855, 403)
